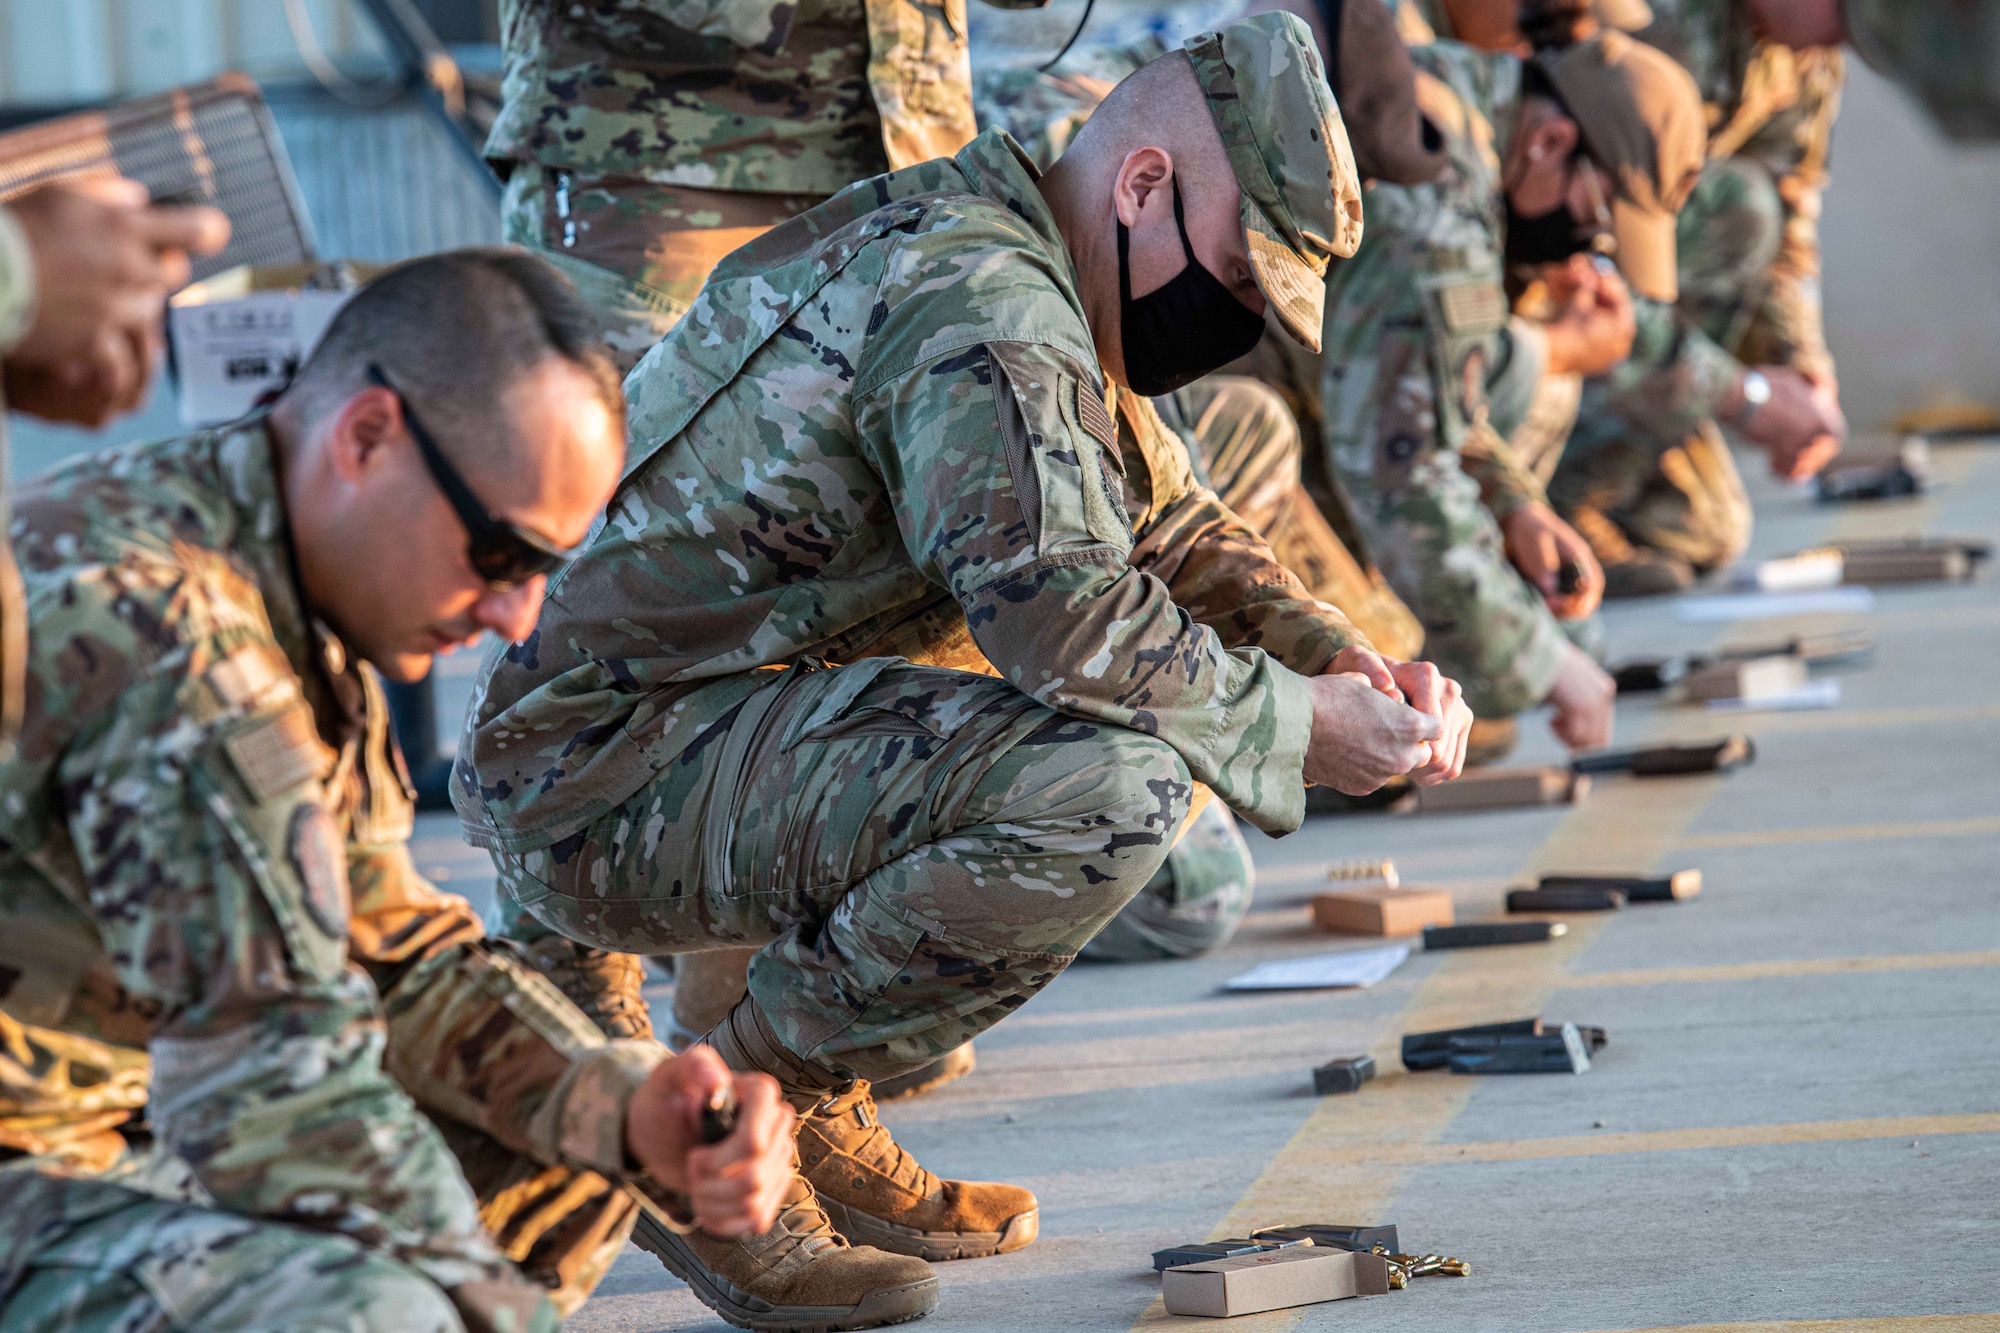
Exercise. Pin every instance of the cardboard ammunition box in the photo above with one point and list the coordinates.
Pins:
(246, 331)
(1504, 788)
(1224, 1288)
(1918, 564)
(1759, 678)
(1381, 911)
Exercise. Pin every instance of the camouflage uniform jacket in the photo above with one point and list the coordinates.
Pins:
(1425, 372)
(782, 96)
(1776, 107)
(205, 822)
(884, 411)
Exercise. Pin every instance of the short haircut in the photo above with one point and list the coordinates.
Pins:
(453, 331)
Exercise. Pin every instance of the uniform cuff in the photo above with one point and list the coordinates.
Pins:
(589, 1108)
(19, 290)
(1273, 795)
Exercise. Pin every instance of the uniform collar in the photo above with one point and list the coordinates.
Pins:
(246, 459)
(1001, 170)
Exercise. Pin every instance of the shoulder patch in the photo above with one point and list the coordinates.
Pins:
(278, 752)
(321, 861)
(1473, 307)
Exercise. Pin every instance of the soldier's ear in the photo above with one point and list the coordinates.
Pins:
(1144, 173)
(362, 433)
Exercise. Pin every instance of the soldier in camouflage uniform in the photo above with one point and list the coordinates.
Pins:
(1426, 374)
(643, 140)
(884, 429)
(206, 829)
(1648, 476)
(1245, 446)
(84, 273)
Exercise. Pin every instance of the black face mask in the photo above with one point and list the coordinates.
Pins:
(1187, 328)
(1548, 239)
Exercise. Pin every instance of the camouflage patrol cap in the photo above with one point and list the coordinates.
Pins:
(1267, 93)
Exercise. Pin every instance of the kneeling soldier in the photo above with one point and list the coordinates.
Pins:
(205, 861)
(914, 411)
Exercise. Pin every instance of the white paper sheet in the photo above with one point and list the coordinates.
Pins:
(1361, 967)
(1764, 605)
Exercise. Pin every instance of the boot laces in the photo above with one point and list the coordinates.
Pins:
(860, 1134)
(806, 1221)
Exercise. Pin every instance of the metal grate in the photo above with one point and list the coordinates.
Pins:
(211, 143)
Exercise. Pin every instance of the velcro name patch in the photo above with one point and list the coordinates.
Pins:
(278, 752)
(1473, 307)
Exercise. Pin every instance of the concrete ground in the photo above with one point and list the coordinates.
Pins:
(1795, 1125)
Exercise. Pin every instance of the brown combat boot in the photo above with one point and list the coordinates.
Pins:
(945, 1069)
(801, 1276)
(879, 1195)
(605, 985)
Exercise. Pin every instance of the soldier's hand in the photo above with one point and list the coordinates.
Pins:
(1582, 696)
(734, 1186)
(1801, 427)
(1361, 737)
(1553, 557)
(1423, 687)
(105, 262)
(1593, 328)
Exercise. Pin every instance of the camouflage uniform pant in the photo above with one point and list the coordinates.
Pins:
(1683, 494)
(1195, 902)
(111, 1259)
(1191, 905)
(638, 251)
(916, 850)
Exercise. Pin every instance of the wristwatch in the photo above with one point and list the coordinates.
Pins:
(1756, 393)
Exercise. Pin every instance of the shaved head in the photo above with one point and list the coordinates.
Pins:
(1159, 106)
(1153, 134)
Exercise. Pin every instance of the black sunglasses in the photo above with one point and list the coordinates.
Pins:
(503, 553)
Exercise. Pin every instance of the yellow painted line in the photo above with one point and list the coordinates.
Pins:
(1909, 1323)
(1687, 1140)
(1786, 967)
(1349, 1157)
(1780, 837)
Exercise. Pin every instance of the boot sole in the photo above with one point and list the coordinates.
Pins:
(891, 1305)
(937, 1246)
